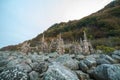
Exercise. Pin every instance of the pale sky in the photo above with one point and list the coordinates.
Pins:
(22, 20)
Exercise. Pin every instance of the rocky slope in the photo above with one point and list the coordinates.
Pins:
(102, 27)
(52, 66)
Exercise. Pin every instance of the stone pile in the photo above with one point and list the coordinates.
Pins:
(53, 66)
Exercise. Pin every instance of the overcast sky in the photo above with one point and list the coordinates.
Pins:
(22, 20)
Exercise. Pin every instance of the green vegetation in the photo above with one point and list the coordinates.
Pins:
(105, 49)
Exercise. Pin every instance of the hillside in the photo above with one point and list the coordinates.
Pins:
(102, 28)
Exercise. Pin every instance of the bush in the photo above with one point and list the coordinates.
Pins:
(105, 49)
(66, 50)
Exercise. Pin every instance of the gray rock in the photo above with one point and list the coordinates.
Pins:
(40, 67)
(90, 72)
(116, 55)
(117, 52)
(36, 58)
(67, 61)
(93, 56)
(105, 59)
(72, 56)
(14, 62)
(53, 55)
(80, 57)
(107, 72)
(3, 63)
(33, 64)
(108, 58)
(13, 73)
(24, 67)
(90, 62)
(83, 66)
(82, 76)
(59, 72)
(34, 75)
(102, 61)
(28, 60)
(5, 54)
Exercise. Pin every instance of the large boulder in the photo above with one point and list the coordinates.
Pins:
(90, 62)
(40, 67)
(107, 72)
(111, 60)
(105, 59)
(83, 66)
(59, 72)
(24, 67)
(21, 63)
(116, 55)
(87, 63)
(13, 73)
(82, 76)
(36, 57)
(117, 52)
(67, 61)
(34, 75)
(14, 62)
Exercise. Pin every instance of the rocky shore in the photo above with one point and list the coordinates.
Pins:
(52, 66)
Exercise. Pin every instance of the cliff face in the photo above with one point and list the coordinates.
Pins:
(102, 27)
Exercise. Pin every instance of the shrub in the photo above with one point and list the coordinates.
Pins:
(105, 49)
